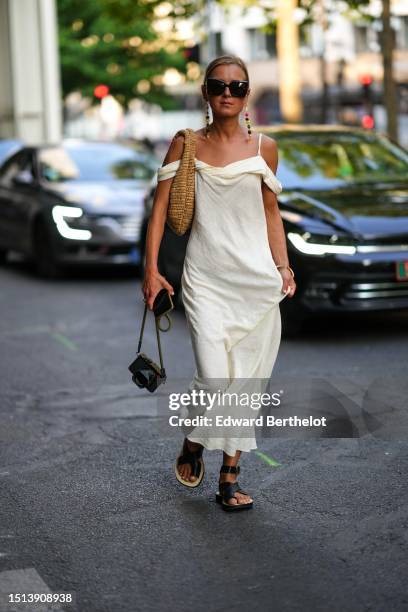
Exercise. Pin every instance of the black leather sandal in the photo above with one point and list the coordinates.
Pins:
(194, 458)
(227, 489)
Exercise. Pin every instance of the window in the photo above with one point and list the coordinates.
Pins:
(271, 44)
(368, 39)
(402, 33)
(327, 160)
(94, 162)
(218, 44)
(305, 41)
(361, 39)
(19, 167)
(261, 45)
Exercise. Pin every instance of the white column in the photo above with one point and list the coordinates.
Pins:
(50, 63)
(29, 70)
(6, 91)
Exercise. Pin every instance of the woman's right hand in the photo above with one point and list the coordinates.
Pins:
(153, 282)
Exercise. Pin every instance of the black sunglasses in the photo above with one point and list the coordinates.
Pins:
(216, 87)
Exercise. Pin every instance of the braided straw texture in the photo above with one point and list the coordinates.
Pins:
(180, 211)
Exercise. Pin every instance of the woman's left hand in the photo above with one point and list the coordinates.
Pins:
(289, 285)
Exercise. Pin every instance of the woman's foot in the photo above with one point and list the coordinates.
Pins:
(238, 498)
(184, 469)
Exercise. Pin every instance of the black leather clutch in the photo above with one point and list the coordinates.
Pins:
(162, 305)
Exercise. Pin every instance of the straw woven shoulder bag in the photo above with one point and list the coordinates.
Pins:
(180, 211)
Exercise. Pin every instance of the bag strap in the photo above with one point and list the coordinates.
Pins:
(190, 139)
(156, 321)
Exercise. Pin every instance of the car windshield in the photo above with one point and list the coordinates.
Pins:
(7, 147)
(326, 160)
(95, 163)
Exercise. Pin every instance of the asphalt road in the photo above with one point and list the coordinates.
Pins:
(90, 505)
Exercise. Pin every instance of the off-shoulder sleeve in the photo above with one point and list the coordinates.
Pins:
(270, 179)
(168, 171)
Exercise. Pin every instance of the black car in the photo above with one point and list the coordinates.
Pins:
(74, 203)
(344, 206)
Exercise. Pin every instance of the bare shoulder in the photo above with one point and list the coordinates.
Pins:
(200, 133)
(269, 145)
(269, 149)
(175, 150)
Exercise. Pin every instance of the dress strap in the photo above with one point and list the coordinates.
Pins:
(168, 170)
(259, 145)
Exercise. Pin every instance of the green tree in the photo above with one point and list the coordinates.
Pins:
(115, 43)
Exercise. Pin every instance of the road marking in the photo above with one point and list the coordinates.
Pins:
(24, 581)
(64, 341)
(35, 329)
(267, 459)
(29, 329)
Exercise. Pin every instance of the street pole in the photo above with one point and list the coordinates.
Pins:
(210, 33)
(290, 81)
(389, 88)
(323, 22)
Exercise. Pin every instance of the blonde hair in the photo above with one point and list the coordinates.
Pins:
(226, 59)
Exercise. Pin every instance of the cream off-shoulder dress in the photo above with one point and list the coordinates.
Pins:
(231, 290)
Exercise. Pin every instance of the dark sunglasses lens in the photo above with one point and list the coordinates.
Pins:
(238, 88)
(215, 87)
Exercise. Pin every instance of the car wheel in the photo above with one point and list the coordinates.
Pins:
(46, 264)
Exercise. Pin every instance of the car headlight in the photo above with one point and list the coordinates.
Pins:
(320, 245)
(62, 216)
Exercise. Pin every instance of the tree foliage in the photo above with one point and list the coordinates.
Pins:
(115, 43)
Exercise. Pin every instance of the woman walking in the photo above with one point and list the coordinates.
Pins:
(236, 269)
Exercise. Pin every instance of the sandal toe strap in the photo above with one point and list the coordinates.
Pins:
(193, 460)
(228, 489)
(197, 453)
(239, 490)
